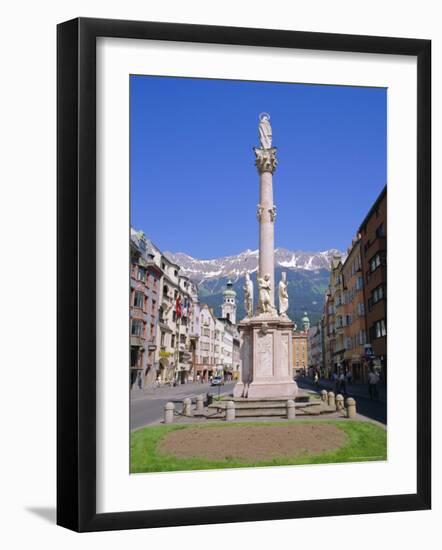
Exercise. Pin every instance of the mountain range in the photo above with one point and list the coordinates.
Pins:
(307, 278)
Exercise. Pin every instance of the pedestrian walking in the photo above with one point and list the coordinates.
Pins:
(373, 380)
(349, 377)
(139, 380)
(342, 385)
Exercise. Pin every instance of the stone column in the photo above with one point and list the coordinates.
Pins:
(339, 402)
(266, 213)
(200, 403)
(291, 411)
(168, 412)
(187, 407)
(351, 408)
(230, 411)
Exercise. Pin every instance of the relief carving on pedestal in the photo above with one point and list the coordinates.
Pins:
(265, 354)
(285, 350)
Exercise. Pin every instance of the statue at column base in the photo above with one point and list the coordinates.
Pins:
(283, 296)
(265, 306)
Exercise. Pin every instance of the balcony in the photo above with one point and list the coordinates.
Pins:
(167, 301)
(136, 341)
(184, 367)
(185, 357)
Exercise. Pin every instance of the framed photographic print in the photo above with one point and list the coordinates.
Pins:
(229, 346)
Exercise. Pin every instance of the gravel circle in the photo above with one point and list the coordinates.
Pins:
(252, 442)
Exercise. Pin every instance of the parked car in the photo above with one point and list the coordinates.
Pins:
(217, 381)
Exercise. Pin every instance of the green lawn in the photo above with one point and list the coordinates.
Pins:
(365, 441)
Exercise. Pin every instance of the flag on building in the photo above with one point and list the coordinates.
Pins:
(185, 307)
(178, 310)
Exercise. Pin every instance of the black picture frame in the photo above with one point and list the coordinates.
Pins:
(76, 274)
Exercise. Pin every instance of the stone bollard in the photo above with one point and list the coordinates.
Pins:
(339, 402)
(187, 407)
(169, 409)
(331, 399)
(324, 395)
(351, 408)
(199, 403)
(291, 411)
(230, 411)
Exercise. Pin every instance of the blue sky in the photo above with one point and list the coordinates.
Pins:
(194, 186)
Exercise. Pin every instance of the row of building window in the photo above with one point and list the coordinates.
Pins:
(359, 339)
(356, 265)
(377, 295)
(377, 260)
(347, 320)
(164, 339)
(141, 274)
(380, 232)
(138, 328)
(140, 301)
(347, 297)
(379, 329)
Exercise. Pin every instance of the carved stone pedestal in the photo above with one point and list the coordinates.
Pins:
(267, 358)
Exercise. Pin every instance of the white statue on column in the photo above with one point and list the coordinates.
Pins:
(265, 131)
(283, 295)
(248, 296)
(265, 287)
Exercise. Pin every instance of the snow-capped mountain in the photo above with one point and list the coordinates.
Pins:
(235, 267)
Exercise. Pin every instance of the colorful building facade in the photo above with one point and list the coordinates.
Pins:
(145, 277)
(373, 232)
(301, 347)
(333, 333)
(355, 310)
(355, 326)
(315, 359)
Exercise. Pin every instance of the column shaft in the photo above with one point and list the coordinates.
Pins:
(266, 230)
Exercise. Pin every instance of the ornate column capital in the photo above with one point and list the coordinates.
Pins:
(265, 160)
